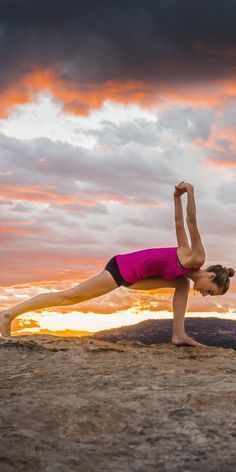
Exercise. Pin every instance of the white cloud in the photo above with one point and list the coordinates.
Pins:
(45, 118)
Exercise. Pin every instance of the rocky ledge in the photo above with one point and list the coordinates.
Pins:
(87, 404)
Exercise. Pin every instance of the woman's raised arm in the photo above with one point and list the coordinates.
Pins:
(179, 223)
(197, 249)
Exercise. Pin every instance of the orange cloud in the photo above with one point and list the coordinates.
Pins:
(12, 97)
(44, 195)
(218, 163)
(80, 98)
(221, 140)
(12, 229)
(77, 99)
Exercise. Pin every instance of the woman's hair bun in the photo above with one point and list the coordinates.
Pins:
(230, 271)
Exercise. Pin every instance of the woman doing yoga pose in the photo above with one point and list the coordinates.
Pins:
(147, 269)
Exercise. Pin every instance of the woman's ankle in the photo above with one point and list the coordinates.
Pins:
(7, 314)
(179, 334)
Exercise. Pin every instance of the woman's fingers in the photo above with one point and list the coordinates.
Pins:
(180, 189)
(183, 186)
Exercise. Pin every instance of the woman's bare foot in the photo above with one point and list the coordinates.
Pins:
(185, 340)
(5, 324)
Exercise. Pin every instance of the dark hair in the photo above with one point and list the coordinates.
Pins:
(222, 276)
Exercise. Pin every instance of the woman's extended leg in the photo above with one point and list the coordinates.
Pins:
(91, 288)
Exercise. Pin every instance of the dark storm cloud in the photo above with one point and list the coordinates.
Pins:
(96, 41)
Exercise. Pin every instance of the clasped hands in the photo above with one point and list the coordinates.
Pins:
(182, 188)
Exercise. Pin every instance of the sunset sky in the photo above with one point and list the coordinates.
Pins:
(105, 106)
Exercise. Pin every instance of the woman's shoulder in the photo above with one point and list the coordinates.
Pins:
(187, 260)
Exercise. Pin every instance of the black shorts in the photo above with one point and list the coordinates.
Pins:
(113, 268)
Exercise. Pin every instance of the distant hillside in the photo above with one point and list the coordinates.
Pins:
(210, 331)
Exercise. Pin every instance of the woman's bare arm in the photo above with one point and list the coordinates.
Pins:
(197, 249)
(180, 301)
(179, 223)
(179, 304)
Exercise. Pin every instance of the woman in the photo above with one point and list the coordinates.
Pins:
(147, 269)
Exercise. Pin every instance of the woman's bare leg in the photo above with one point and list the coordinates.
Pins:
(91, 288)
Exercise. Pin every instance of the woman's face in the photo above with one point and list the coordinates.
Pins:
(206, 285)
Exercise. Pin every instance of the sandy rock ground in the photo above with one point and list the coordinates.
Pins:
(85, 405)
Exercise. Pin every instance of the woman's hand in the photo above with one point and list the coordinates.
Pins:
(182, 188)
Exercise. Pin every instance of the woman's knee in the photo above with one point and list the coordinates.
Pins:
(94, 287)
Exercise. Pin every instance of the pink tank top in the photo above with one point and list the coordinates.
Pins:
(146, 263)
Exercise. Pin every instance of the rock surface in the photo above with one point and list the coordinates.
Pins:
(85, 405)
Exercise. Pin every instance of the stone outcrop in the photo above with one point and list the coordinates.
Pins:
(85, 404)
